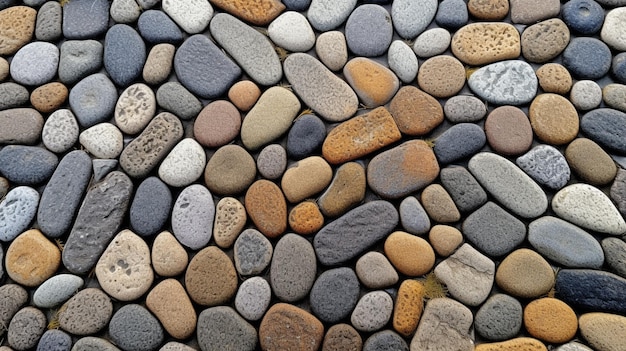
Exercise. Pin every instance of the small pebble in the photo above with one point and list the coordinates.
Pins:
(49, 97)
(171, 305)
(410, 18)
(194, 202)
(293, 268)
(103, 140)
(292, 31)
(582, 50)
(332, 49)
(252, 252)
(546, 165)
(530, 11)
(590, 162)
(413, 217)
(78, 59)
(217, 124)
(169, 257)
(230, 170)
(184, 164)
(445, 239)
(20, 126)
(464, 108)
(49, 22)
(520, 344)
(158, 63)
(454, 333)
(272, 161)
(586, 95)
(432, 42)
(524, 273)
(369, 30)
(244, 94)
(409, 254)
(94, 343)
(87, 312)
(306, 218)
(192, 16)
(222, 325)
(415, 112)
(85, 20)
(93, 100)
(230, 218)
(554, 78)
(174, 97)
(27, 165)
(375, 271)
(325, 15)
(267, 207)
(618, 67)
(156, 27)
(372, 312)
(491, 10)
(452, 14)
(125, 11)
(125, 332)
(613, 29)
(306, 136)
(342, 337)
(287, 327)
(26, 327)
(573, 346)
(461, 141)
(211, 278)
(505, 83)
(135, 108)
(583, 16)
(374, 83)
(402, 61)
(493, 230)
(56, 290)
(151, 207)
(439, 205)
(508, 130)
(441, 76)
(253, 298)
(550, 320)
(35, 64)
(334, 294)
(385, 340)
(499, 318)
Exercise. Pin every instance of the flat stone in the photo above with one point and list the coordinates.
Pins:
(176, 346)
(26, 328)
(606, 127)
(31, 258)
(445, 239)
(27, 165)
(614, 255)
(147, 4)
(460, 141)
(93, 100)
(103, 140)
(441, 76)
(385, 340)
(505, 83)
(156, 27)
(508, 131)
(545, 40)
(49, 97)
(230, 218)
(374, 83)
(334, 294)
(493, 230)
(410, 18)
(55, 339)
(125, 11)
(102, 167)
(56, 290)
(331, 48)
(342, 337)
(134, 327)
(325, 15)
(524, 273)
(445, 324)
(17, 211)
(253, 298)
(554, 78)
(286, 327)
(35, 63)
(583, 16)
(192, 16)
(375, 271)
(244, 94)
(465, 191)
(169, 257)
(464, 108)
(94, 343)
(293, 268)
(372, 312)
(369, 30)
(306, 218)
(158, 63)
(174, 97)
(20, 126)
(12, 94)
(413, 217)
(87, 312)
(439, 205)
(520, 343)
(292, 31)
(612, 2)
(530, 11)
(306, 136)
(124, 54)
(230, 170)
(221, 325)
(170, 303)
(499, 318)
(252, 252)
(482, 43)
(192, 216)
(85, 19)
(546, 165)
(346, 190)
(267, 208)
(612, 30)
(217, 124)
(432, 42)
(602, 330)
(591, 290)
(402, 61)
(586, 95)
(256, 12)
(297, 5)
(211, 278)
(78, 59)
(272, 161)
(582, 50)
(49, 22)
(14, 297)
(306, 178)
(18, 26)
(590, 162)
(415, 112)
(409, 254)
(184, 164)
(550, 320)
(135, 108)
(613, 96)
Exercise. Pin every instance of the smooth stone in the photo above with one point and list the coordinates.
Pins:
(550, 320)
(614, 255)
(135, 108)
(586, 95)
(103, 140)
(93, 100)
(220, 326)
(133, 327)
(530, 11)
(293, 268)
(432, 42)
(408, 307)
(452, 14)
(483, 43)
(334, 294)
(20, 126)
(55, 340)
(612, 3)
(413, 217)
(17, 211)
(253, 298)
(267, 207)
(218, 124)
(13, 297)
(565, 243)
(27, 165)
(306, 136)
(244, 94)
(372, 311)
(93, 343)
(287, 327)
(78, 59)
(252, 252)
(84, 19)
(613, 29)
(169, 257)
(325, 15)
(297, 5)
(591, 290)
(272, 161)
(292, 31)
(441, 76)
(49, 25)
(445, 239)
(618, 191)
(257, 12)
(415, 112)
(439, 205)
(326, 94)
(606, 127)
(583, 16)
(203, 68)
(192, 216)
(369, 30)
(270, 117)
(545, 40)
(464, 189)
(56, 290)
(156, 27)
(554, 78)
(62, 195)
(17, 28)
(464, 108)
(614, 96)
(211, 278)
(306, 178)
(147, 150)
(4, 188)
(526, 274)
(192, 16)
(147, 4)
(174, 97)
(590, 162)
(124, 54)
(125, 11)
(402, 61)
(184, 164)
(583, 50)
(374, 83)
(31, 258)
(519, 343)
(158, 63)
(546, 165)
(49, 97)
(35, 63)
(253, 51)
(26, 328)
(230, 218)
(346, 190)
(409, 254)
(375, 271)
(499, 318)
(87, 312)
(171, 305)
(603, 331)
(410, 18)
(508, 131)
(98, 220)
(485, 229)
(505, 83)
(306, 218)
(379, 217)
(445, 324)
(12, 95)
(385, 340)
(230, 170)
(460, 141)
(588, 207)
(618, 67)
(332, 50)
(341, 337)
(102, 167)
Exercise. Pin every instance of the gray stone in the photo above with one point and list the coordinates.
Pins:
(92, 343)
(586, 95)
(93, 100)
(445, 325)
(35, 63)
(369, 30)
(49, 22)
(452, 14)
(192, 216)
(156, 27)
(57, 290)
(176, 346)
(252, 252)
(174, 97)
(133, 327)
(26, 328)
(124, 54)
(12, 95)
(221, 326)
(292, 31)
(402, 61)
(411, 17)
(78, 59)
(432, 42)
(385, 340)
(493, 230)
(589, 289)
(413, 217)
(372, 312)
(27, 165)
(463, 188)
(334, 294)
(297, 5)
(125, 11)
(60, 132)
(613, 29)
(21, 126)
(325, 15)
(546, 165)
(272, 161)
(147, 4)
(375, 271)
(17, 211)
(293, 268)
(306, 136)
(499, 318)
(55, 340)
(458, 142)
(332, 50)
(87, 312)
(464, 108)
(505, 83)
(615, 255)
(253, 298)
(151, 207)
(573, 346)
(102, 167)
(1, 258)
(13, 297)
(606, 127)
(85, 19)
(612, 2)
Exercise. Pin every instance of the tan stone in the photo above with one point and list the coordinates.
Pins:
(170, 303)
(346, 190)
(554, 78)
(524, 273)
(267, 208)
(374, 83)
(31, 258)
(49, 97)
(517, 344)
(441, 76)
(4, 68)
(415, 112)
(244, 94)
(342, 337)
(614, 95)
(211, 278)
(17, 25)
(445, 239)
(230, 218)
(169, 257)
(554, 119)
(603, 331)
(488, 10)
(159, 63)
(258, 12)
(439, 205)
(409, 307)
(409, 254)
(305, 218)
(230, 170)
(508, 130)
(483, 43)
(590, 162)
(287, 327)
(550, 320)
(545, 40)
(306, 178)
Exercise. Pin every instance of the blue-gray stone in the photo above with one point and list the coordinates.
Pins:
(78, 59)
(615, 255)
(157, 27)
(124, 54)
(460, 141)
(587, 58)
(293, 268)
(12, 95)
(493, 230)
(57, 290)
(412, 17)
(505, 83)
(173, 97)
(452, 14)
(93, 100)
(133, 327)
(49, 22)
(463, 188)
(565, 243)
(618, 67)
(386, 340)
(591, 290)
(27, 165)
(6, 3)
(413, 217)
(606, 127)
(203, 68)
(546, 165)
(583, 16)
(325, 15)
(222, 325)
(151, 207)
(85, 19)
(35, 64)
(334, 294)
(102, 167)
(17, 210)
(62, 195)
(252, 252)
(354, 232)
(305, 136)
(369, 30)
(55, 340)
(499, 318)
(297, 5)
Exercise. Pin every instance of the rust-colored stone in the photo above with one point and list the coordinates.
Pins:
(267, 208)
(374, 83)
(554, 78)
(517, 344)
(415, 112)
(287, 327)
(409, 307)
(49, 97)
(258, 12)
(441, 76)
(32, 258)
(550, 320)
(306, 218)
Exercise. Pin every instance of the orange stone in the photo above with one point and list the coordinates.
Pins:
(17, 25)
(550, 320)
(517, 344)
(415, 112)
(360, 136)
(267, 208)
(554, 78)
(49, 97)
(409, 254)
(244, 94)
(258, 12)
(306, 218)
(374, 83)
(287, 327)
(409, 307)
(554, 119)
(32, 258)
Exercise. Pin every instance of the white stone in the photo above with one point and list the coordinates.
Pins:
(192, 16)
(292, 31)
(586, 95)
(325, 15)
(432, 42)
(402, 61)
(412, 17)
(614, 29)
(103, 140)
(60, 132)
(372, 312)
(505, 83)
(184, 164)
(332, 49)
(135, 108)
(253, 298)
(35, 63)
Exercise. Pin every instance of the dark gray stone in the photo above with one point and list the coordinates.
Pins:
(369, 30)
(157, 27)
(618, 67)
(252, 252)
(463, 188)
(151, 207)
(78, 59)
(12, 95)
(124, 54)
(27, 165)
(293, 268)
(55, 340)
(615, 255)
(133, 327)
(87, 312)
(13, 297)
(93, 100)
(6, 3)
(546, 165)
(587, 58)
(85, 19)
(26, 328)
(591, 290)
(99, 218)
(334, 294)
(499, 318)
(354, 232)
(61, 197)
(49, 22)
(386, 340)
(493, 230)
(452, 14)
(220, 326)
(174, 97)
(606, 127)
(458, 142)
(305, 136)
(297, 5)
(583, 16)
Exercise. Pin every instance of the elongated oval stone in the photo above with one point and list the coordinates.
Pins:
(505, 83)
(482, 43)
(192, 216)
(606, 127)
(267, 207)
(135, 108)
(57, 290)
(293, 268)
(170, 303)
(124, 54)
(591, 289)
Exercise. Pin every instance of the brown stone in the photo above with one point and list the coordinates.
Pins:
(531, 11)
(441, 76)
(230, 170)
(415, 112)
(267, 208)
(550, 320)
(483, 43)
(374, 83)
(360, 136)
(244, 94)
(524, 273)
(217, 124)
(409, 307)
(603, 331)
(169, 257)
(305, 218)
(4, 68)
(554, 78)
(445, 239)
(17, 25)
(517, 344)
(346, 190)
(545, 40)
(257, 12)
(342, 337)
(508, 130)
(590, 162)
(170, 303)
(159, 63)
(31, 258)
(306, 178)
(287, 327)
(554, 119)
(49, 97)
(230, 218)
(409, 254)
(20, 126)
(439, 205)
(488, 10)
(211, 278)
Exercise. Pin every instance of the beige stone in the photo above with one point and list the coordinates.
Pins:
(171, 305)
(445, 239)
(17, 25)
(554, 78)
(441, 76)
(306, 178)
(211, 278)
(603, 331)
(169, 257)
(159, 63)
(230, 218)
(524, 273)
(409, 254)
(482, 43)
(346, 190)
(439, 205)
(244, 94)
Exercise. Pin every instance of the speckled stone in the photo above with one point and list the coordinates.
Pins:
(385, 340)
(582, 50)
(244, 94)
(217, 124)
(133, 327)
(124, 54)
(12, 94)
(499, 318)
(505, 83)
(613, 29)
(615, 256)
(194, 202)
(618, 191)
(253, 298)
(230, 218)
(546, 165)
(287, 327)
(439, 205)
(543, 41)
(410, 18)
(372, 312)
(158, 63)
(85, 19)
(20, 126)
(614, 95)
(524, 273)
(332, 50)
(79, 58)
(441, 76)
(272, 161)
(14, 296)
(292, 31)
(49, 22)
(517, 344)
(87, 312)
(49, 97)
(409, 254)
(222, 325)
(603, 331)
(169, 257)
(252, 252)
(293, 267)
(583, 16)
(586, 95)
(488, 9)
(31, 258)
(432, 42)
(170, 303)
(345, 191)
(156, 27)
(414, 111)
(530, 11)
(334, 294)
(482, 43)
(464, 108)
(135, 108)
(342, 337)
(256, 12)
(192, 16)
(409, 306)
(93, 99)
(369, 30)
(94, 343)
(267, 207)
(211, 278)
(374, 83)
(325, 15)
(306, 218)
(184, 164)
(402, 61)
(550, 320)
(125, 11)
(17, 27)
(445, 324)
(103, 140)
(508, 130)
(445, 239)
(26, 327)
(27, 165)
(452, 14)
(554, 78)
(55, 340)
(375, 271)
(493, 230)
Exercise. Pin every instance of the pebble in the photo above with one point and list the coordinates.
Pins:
(325, 15)
(267, 208)
(410, 18)
(613, 29)
(588, 207)
(49, 97)
(31, 258)
(297, 5)
(505, 83)
(461, 141)
(591, 290)
(334, 294)
(170, 304)
(220, 326)
(12, 95)
(614, 96)
(374, 83)
(590, 162)
(18, 25)
(158, 63)
(293, 268)
(441, 76)
(306, 218)
(13, 297)
(287, 327)
(253, 298)
(252, 50)
(432, 42)
(550, 320)
(78, 59)
(133, 327)
(68, 182)
(375, 271)
(508, 184)
(603, 331)
(306, 178)
(169, 257)
(252, 252)
(582, 50)
(612, 3)
(192, 216)
(125, 11)
(217, 124)
(27, 165)
(270, 117)
(464, 108)
(614, 255)
(445, 324)
(452, 14)
(439, 205)
(332, 248)
(35, 63)
(415, 112)
(4, 188)
(385, 340)
(445, 239)
(93, 100)
(56, 290)
(230, 218)
(102, 167)
(244, 94)
(499, 318)
(230, 170)
(306, 136)
(184, 164)
(346, 190)
(292, 31)
(519, 344)
(93, 343)
(20, 126)
(372, 312)
(508, 131)
(147, 4)
(491, 10)
(402, 61)
(524, 273)
(546, 165)
(409, 307)
(103, 140)
(409, 254)
(156, 27)
(98, 220)
(413, 217)
(482, 43)
(211, 278)
(369, 30)
(606, 127)
(531, 11)
(55, 340)
(573, 346)
(26, 328)
(545, 40)
(87, 312)
(619, 67)
(272, 161)
(174, 97)
(554, 78)
(192, 16)
(332, 49)
(85, 19)
(340, 337)
(586, 95)
(259, 13)
(135, 108)
(583, 16)
(617, 191)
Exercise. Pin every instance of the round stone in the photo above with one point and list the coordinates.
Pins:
(78, 59)
(372, 312)
(156, 27)
(253, 298)
(375, 271)
(409, 254)
(305, 136)
(17, 27)
(432, 42)
(493, 230)
(135, 108)
(553, 119)
(525, 11)
(410, 18)
(554, 78)
(346, 190)
(385, 340)
(267, 207)
(12, 95)
(499, 318)
(287, 327)
(550, 320)
(441, 76)
(306, 218)
(31, 258)
(169, 257)
(230, 218)
(586, 95)
(402, 61)
(459, 141)
(192, 16)
(133, 327)
(615, 255)
(222, 325)
(35, 63)
(583, 50)
(618, 67)
(606, 127)
(272, 161)
(524, 273)
(252, 252)
(87, 312)
(184, 164)
(445, 239)
(489, 10)
(244, 94)
(124, 54)
(414, 111)
(413, 217)
(369, 30)
(125, 11)
(82, 20)
(292, 31)
(230, 170)
(545, 40)
(27, 165)
(217, 124)
(374, 83)
(583, 16)
(49, 97)
(334, 294)
(452, 14)
(342, 337)
(56, 340)
(613, 31)
(508, 130)
(590, 162)
(464, 108)
(211, 278)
